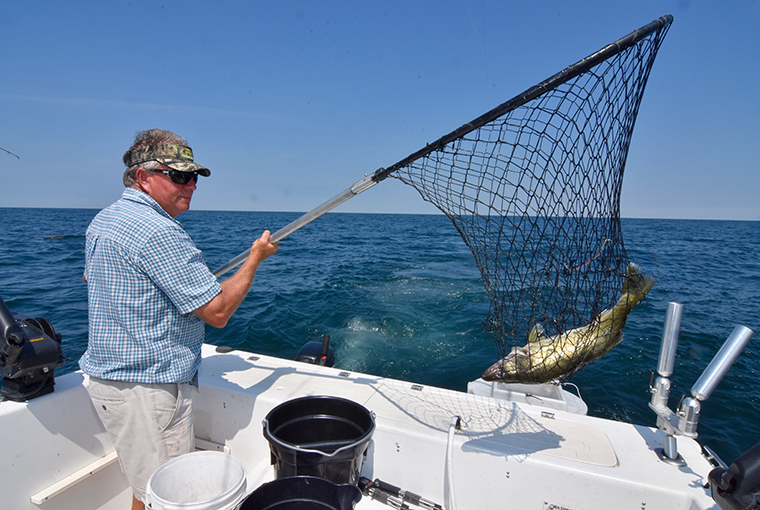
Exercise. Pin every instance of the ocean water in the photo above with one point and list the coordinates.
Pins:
(401, 296)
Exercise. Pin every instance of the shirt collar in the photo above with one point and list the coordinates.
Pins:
(140, 197)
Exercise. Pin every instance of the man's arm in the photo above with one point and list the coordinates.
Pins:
(219, 310)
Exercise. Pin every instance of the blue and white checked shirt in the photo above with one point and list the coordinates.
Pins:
(144, 279)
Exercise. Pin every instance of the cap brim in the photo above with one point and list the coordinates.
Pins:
(185, 166)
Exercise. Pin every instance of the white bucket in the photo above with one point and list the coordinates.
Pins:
(197, 481)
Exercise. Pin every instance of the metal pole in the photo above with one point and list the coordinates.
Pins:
(722, 361)
(670, 339)
(358, 187)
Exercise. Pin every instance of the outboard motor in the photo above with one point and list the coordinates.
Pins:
(316, 353)
(30, 350)
(738, 487)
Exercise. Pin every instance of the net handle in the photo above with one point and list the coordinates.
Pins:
(358, 187)
(370, 180)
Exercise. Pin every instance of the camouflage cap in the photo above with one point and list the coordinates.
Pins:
(175, 156)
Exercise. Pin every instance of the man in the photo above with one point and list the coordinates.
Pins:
(149, 295)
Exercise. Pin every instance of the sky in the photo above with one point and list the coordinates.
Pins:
(291, 102)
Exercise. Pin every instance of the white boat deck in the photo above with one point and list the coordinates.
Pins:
(506, 454)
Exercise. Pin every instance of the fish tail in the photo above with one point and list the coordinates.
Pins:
(636, 285)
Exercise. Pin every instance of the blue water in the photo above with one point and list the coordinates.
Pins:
(400, 296)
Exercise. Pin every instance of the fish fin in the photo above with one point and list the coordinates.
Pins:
(601, 348)
(522, 351)
(517, 351)
(616, 340)
(536, 333)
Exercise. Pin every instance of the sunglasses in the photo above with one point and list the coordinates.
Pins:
(179, 177)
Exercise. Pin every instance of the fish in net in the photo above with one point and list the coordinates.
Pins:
(533, 187)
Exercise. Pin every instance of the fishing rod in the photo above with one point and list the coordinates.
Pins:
(9, 152)
(532, 93)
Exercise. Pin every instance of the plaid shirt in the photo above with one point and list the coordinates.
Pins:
(144, 279)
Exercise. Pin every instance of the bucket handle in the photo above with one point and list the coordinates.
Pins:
(274, 438)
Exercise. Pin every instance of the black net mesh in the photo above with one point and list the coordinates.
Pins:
(534, 189)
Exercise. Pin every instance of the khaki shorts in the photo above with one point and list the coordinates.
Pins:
(148, 424)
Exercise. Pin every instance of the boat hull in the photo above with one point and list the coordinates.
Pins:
(504, 454)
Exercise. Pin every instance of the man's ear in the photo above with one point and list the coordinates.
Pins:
(141, 176)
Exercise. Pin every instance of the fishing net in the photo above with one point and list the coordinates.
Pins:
(533, 187)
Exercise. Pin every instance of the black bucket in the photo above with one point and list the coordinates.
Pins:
(320, 436)
(302, 493)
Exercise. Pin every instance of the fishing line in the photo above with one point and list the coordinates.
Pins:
(60, 178)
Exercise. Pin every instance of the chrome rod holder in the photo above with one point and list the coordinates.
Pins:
(661, 388)
(670, 339)
(685, 421)
(720, 364)
(666, 419)
(688, 412)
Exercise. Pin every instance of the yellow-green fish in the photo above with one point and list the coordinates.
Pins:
(545, 359)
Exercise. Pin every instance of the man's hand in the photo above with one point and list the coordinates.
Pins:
(219, 310)
(262, 249)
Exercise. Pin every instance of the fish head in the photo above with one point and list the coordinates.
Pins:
(511, 368)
